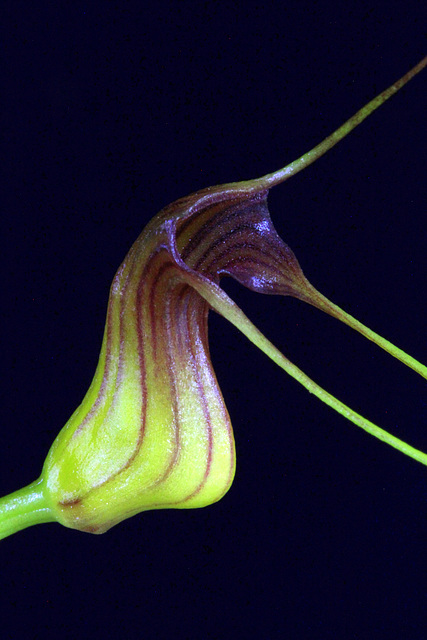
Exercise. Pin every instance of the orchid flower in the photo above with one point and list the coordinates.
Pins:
(153, 430)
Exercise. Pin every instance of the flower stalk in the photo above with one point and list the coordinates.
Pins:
(24, 508)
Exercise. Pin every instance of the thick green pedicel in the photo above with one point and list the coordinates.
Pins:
(153, 430)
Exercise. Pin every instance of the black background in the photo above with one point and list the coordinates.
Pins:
(113, 110)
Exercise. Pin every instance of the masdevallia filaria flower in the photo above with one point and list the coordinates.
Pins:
(153, 430)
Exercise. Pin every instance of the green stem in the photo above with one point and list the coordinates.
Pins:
(24, 508)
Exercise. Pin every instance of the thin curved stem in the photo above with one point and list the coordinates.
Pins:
(224, 305)
(319, 301)
(271, 179)
(24, 508)
(269, 349)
